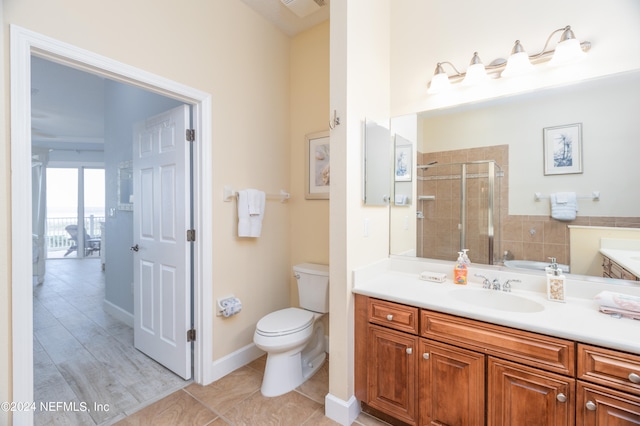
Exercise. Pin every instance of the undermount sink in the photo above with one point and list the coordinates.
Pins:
(495, 299)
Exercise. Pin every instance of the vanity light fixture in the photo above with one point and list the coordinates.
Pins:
(519, 62)
(476, 73)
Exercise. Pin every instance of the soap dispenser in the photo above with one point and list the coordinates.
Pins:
(465, 258)
(555, 282)
(460, 270)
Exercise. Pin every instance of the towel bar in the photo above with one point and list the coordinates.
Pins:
(595, 196)
(228, 193)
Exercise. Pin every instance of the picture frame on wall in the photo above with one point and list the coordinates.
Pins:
(403, 162)
(562, 149)
(317, 166)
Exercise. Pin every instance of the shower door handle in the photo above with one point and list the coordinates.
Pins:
(135, 248)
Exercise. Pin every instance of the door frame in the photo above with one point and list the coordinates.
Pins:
(25, 43)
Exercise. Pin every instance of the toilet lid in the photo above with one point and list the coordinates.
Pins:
(284, 321)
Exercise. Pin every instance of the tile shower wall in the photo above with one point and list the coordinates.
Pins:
(525, 237)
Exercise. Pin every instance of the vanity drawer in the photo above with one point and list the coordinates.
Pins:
(611, 368)
(536, 350)
(394, 315)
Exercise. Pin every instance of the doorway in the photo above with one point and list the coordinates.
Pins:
(24, 43)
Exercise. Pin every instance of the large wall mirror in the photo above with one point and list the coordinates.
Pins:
(492, 154)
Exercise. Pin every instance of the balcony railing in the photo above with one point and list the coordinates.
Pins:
(57, 238)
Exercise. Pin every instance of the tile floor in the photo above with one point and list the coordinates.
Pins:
(83, 355)
(236, 400)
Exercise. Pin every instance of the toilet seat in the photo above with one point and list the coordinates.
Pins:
(284, 322)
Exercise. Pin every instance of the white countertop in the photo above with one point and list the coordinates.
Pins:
(578, 319)
(628, 259)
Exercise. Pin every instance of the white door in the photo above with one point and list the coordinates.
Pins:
(161, 212)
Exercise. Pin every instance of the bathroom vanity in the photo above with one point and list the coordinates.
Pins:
(437, 353)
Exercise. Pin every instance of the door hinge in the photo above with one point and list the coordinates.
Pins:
(191, 135)
(191, 234)
(191, 335)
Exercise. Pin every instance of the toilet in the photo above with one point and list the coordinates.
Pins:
(294, 337)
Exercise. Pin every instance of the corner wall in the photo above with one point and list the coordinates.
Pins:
(359, 70)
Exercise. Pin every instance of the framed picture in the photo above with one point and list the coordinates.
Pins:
(317, 170)
(402, 171)
(563, 149)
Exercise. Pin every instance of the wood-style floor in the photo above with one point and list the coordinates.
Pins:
(85, 358)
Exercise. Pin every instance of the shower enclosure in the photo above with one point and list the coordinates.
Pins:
(459, 208)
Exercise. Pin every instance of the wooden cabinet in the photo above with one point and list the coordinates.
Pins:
(520, 395)
(600, 406)
(451, 385)
(428, 368)
(611, 269)
(391, 373)
(608, 387)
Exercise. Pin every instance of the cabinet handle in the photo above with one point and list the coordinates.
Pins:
(561, 397)
(425, 355)
(409, 351)
(634, 378)
(390, 317)
(591, 406)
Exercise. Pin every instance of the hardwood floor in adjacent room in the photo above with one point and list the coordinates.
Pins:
(86, 370)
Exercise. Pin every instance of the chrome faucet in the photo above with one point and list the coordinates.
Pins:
(485, 281)
(495, 284)
(507, 285)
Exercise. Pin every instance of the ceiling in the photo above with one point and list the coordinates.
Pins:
(282, 17)
(67, 105)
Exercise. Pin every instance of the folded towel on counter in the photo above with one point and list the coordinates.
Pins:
(626, 302)
(250, 212)
(622, 312)
(564, 205)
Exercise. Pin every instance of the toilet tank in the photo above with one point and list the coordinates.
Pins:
(313, 286)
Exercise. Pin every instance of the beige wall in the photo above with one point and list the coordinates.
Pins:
(309, 114)
(585, 242)
(222, 48)
(425, 33)
(359, 70)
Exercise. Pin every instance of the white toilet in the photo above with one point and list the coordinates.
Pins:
(294, 337)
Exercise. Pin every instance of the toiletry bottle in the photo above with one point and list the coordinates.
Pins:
(465, 258)
(555, 282)
(460, 271)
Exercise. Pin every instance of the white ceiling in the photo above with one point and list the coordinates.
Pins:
(283, 18)
(67, 105)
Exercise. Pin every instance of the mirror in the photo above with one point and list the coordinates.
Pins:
(403, 171)
(125, 186)
(377, 157)
(511, 131)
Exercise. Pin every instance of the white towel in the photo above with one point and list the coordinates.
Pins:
(250, 212)
(610, 299)
(564, 205)
(400, 200)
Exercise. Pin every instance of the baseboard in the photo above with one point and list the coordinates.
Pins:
(118, 313)
(343, 412)
(232, 362)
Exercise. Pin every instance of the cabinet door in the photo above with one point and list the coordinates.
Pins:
(391, 366)
(451, 385)
(519, 395)
(598, 406)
